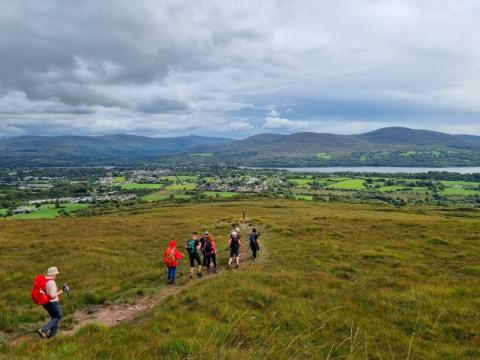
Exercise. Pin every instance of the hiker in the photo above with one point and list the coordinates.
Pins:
(236, 228)
(170, 258)
(234, 244)
(46, 293)
(254, 243)
(210, 254)
(193, 247)
(202, 245)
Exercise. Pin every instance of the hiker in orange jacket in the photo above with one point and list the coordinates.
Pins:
(170, 258)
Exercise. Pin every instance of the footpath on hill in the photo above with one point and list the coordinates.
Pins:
(115, 314)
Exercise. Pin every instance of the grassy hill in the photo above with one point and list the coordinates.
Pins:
(84, 150)
(393, 146)
(384, 147)
(335, 281)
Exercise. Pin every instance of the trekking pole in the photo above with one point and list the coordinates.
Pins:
(69, 300)
(183, 271)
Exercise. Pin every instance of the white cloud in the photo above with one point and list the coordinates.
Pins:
(274, 121)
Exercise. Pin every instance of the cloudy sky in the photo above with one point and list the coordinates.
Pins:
(236, 68)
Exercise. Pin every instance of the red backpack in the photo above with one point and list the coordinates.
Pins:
(39, 291)
(169, 257)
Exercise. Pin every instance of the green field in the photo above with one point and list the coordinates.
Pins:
(3, 212)
(323, 156)
(164, 196)
(48, 211)
(201, 154)
(181, 187)
(222, 194)
(470, 184)
(333, 281)
(392, 188)
(300, 182)
(180, 178)
(304, 197)
(118, 179)
(460, 192)
(352, 184)
(155, 197)
(136, 186)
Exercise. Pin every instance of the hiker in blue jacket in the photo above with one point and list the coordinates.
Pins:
(254, 242)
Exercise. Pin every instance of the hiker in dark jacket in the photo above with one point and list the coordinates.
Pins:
(254, 242)
(234, 244)
(193, 248)
(210, 254)
(202, 245)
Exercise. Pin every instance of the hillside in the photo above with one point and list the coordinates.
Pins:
(394, 146)
(92, 150)
(333, 281)
(384, 147)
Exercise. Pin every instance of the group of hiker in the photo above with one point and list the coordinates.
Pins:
(45, 291)
(206, 246)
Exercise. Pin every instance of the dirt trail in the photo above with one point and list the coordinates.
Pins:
(111, 315)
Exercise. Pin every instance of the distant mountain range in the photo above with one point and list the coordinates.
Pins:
(393, 146)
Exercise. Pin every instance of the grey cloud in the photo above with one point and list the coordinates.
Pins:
(212, 66)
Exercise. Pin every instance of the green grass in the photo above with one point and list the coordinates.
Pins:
(336, 281)
(155, 197)
(352, 184)
(304, 197)
(159, 196)
(136, 186)
(450, 183)
(3, 212)
(118, 179)
(460, 192)
(181, 178)
(201, 154)
(408, 153)
(48, 211)
(300, 182)
(323, 156)
(222, 194)
(181, 187)
(390, 188)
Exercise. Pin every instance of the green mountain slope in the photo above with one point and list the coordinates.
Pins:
(393, 146)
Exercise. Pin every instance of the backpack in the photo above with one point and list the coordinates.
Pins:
(208, 246)
(235, 240)
(169, 257)
(191, 248)
(39, 290)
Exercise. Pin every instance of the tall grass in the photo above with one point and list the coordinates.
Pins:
(339, 281)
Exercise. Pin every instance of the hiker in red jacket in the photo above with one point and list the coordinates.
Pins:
(170, 257)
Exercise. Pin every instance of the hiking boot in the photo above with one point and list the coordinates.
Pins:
(199, 275)
(228, 267)
(42, 334)
(215, 270)
(191, 276)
